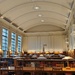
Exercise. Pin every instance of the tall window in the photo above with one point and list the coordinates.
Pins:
(13, 43)
(4, 41)
(19, 43)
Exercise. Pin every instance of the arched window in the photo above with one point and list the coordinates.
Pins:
(4, 41)
(19, 43)
(13, 43)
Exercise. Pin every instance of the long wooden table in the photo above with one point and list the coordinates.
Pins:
(45, 70)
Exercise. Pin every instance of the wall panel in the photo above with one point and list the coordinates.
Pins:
(53, 43)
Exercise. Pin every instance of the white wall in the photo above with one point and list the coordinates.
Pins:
(71, 37)
(35, 42)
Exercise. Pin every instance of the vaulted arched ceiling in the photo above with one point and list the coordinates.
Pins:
(29, 13)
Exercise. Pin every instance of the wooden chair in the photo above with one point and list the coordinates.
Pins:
(60, 65)
(4, 67)
(18, 70)
(73, 65)
(0, 72)
(39, 68)
(11, 71)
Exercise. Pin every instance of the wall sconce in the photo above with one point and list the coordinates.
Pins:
(1, 52)
(22, 53)
(16, 52)
(9, 52)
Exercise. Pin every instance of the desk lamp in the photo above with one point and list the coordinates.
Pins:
(67, 58)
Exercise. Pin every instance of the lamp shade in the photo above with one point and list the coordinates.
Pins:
(41, 57)
(56, 52)
(47, 52)
(1, 51)
(67, 58)
(34, 56)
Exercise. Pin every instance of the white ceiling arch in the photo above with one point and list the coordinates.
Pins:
(44, 13)
(46, 19)
(27, 28)
(22, 12)
(26, 8)
(37, 3)
(33, 24)
(44, 28)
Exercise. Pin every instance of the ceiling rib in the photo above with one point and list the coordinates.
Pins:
(40, 18)
(61, 26)
(39, 12)
(32, 2)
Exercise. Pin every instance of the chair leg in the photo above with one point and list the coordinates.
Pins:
(18, 73)
(4, 73)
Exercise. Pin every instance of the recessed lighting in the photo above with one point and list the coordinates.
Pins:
(39, 15)
(36, 7)
(42, 20)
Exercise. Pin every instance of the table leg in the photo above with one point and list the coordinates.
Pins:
(68, 73)
(54, 74)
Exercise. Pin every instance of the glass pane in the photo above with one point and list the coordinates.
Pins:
(4, 41)
(19, 43)
(13, 42)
